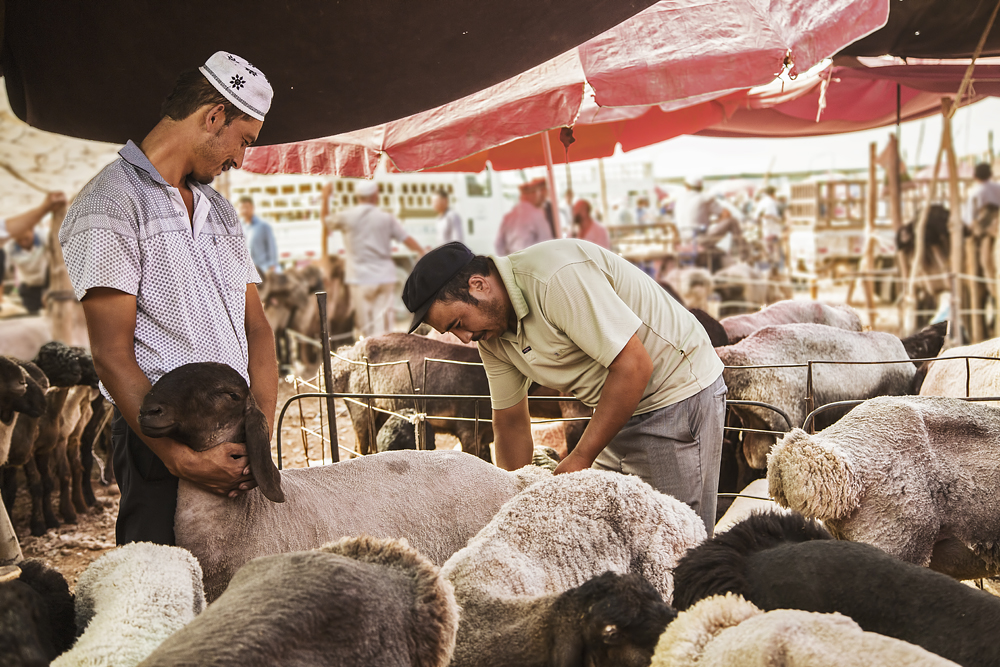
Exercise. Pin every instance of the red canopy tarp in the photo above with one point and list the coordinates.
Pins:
(682, 52)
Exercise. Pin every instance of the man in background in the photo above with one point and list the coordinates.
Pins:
(368, 233)
(27, 258)
(524, 225)
(588, 229)
(449, 222)
(260, 238)
(18, 225)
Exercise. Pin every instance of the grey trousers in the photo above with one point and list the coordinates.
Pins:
(676, 450)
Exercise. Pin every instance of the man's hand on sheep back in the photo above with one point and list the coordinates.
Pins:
(223, 469)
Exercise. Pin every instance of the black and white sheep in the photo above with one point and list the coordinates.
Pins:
(784, 561)
(36, 614)
(204, 404)
(131, 599)
(786, 388)
(361, 601)
(574, 570)
(915, 476)
(726, 630)
(840, 316)
(437, 500)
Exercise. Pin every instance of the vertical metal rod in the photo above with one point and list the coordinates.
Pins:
(809, 395)
(324, 340)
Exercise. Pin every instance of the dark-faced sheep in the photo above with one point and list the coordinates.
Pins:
(574, 570)
(787, 388)
(915, 476)
(36, 614)
(785, 561)
(361, 601)
(437, 500)
(204, 404)
(739, 327)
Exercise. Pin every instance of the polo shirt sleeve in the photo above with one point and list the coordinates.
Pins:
(398, 231)
(581, 303)
(100, 246)
(507, 384)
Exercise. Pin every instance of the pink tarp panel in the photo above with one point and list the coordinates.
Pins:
(681, 52)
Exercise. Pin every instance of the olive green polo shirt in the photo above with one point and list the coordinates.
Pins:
(577, 305)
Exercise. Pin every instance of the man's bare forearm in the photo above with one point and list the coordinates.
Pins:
(262, 359)
(512, 435)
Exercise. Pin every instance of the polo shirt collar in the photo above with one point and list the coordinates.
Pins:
(506, 270)
(135, 157)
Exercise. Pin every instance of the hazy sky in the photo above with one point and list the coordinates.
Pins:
(709, 155)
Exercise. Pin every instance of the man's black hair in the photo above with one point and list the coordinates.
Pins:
(443, 194)
(983, 172)
(457, 289)
(193, 91)
(245, 199)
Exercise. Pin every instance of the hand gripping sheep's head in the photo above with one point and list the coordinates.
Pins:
(613, 619)
(204, 404)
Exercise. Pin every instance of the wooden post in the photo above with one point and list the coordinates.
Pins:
(895, 192)
(604, 191)
(331, 412)
(955, 226)
(550, 175)
(920, 233)
(868, 262)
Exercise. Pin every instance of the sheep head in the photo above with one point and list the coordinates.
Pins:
(613, 619)
(13, 387)
(204, 404)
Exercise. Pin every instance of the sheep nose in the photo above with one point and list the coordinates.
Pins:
(151, 411)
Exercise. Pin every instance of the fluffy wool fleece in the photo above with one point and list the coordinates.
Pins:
(841, 316)
(361, 601)
(903, 474)
(563, 531)
(131, 599)
(949, 378)
(727, 630)
(786, 388)
(437, 500)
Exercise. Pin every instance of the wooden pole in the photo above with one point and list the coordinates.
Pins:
(920, 233)
(895, 192)
(604, 191)
(550, 175)
(869, 257)
(955, 226)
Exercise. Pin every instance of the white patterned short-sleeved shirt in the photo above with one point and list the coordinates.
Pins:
(128, 229)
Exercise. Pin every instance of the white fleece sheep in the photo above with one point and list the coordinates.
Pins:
(949, 378)
(435, 499)
(721, 631)
(915, 476)
(129, 601)
(555, 536)
(361, 601)
(840, 316)
(744, 507)
(786, 388)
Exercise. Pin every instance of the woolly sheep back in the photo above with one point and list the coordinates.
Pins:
(361, 601)
(129, 601)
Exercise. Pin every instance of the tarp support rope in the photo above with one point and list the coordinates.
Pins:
(967, 79)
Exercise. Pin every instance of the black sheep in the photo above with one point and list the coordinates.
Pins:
(784, 561)
(36, 616)
(60, 363)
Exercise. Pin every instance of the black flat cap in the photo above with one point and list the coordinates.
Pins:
(430, 274)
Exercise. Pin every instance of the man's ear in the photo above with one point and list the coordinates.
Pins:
(479, 284)
(215, 118)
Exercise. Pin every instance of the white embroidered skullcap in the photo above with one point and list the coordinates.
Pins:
(366, 188)
(240, 82)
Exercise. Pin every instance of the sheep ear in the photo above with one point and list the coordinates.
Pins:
(567, 649)
(259, 452)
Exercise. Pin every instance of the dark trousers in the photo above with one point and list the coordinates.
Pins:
(149, 491)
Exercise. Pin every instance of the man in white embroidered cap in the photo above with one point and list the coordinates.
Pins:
(158, 259)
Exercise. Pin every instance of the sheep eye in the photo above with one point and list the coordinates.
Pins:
(235, 397)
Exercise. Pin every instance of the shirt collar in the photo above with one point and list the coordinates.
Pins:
(506, 270)
(135, 157)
